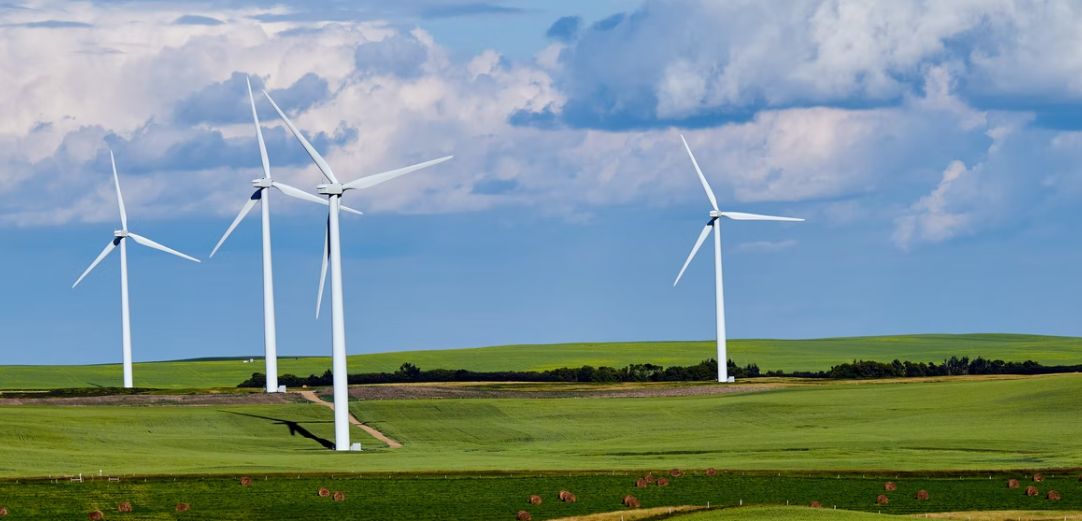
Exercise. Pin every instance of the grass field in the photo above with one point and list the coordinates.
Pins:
(788, 355)
(480, 497)
(960, 424)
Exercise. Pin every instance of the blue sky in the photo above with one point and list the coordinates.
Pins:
(934, 148)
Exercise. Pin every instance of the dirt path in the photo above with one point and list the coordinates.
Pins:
(311, 396)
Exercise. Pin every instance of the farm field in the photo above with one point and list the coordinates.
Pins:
(483, 497)
(788, 355)
(957, 424)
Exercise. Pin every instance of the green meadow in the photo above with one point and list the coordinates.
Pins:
(788, 355)
(969, 423)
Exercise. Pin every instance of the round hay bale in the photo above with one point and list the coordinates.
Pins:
(815, 504)
(95, 515)
(183, 507)
(523, 516)
(675, 473)
(124, 507)
(641, 483)
(570, 498)
(324, 492)
(632, 502)
(881, 500)
(3, 511)
(1031, 491)
(889, 486)
(247, 482)
(535, 499)
(649, 478)
(1052, 494)
(922, 494)
(711, 472)
(628, 498)
(1038, 478)
(563, 495)
(338, 496)
(1012, 483)
(662, 482)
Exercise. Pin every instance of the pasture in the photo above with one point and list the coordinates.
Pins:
(788, 355)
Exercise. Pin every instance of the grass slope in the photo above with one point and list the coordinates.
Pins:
(778, 513)
(961, 424)
(786, 355)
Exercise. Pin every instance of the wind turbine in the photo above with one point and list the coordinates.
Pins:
(332, 251)
(119, 237)
(715, 215)
(262, 194)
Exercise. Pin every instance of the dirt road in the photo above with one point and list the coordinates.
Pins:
(311, 396)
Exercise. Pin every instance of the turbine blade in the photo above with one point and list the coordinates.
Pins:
(698, 243)
(323, 166)
(258, 134)
(119, 198)
(243, 212)
(109, 248)
(149, 243)
(298, 193)
(323, 273)
(350, 210)
(706, 186)
(738, 216)
(373, 180)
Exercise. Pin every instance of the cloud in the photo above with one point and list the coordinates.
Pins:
(194, 19)
(469, 9)
(766, 246)
(54, 24)
(401, 55)
(930, 219)
(565, 29)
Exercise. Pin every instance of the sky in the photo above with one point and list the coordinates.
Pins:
(935, 149)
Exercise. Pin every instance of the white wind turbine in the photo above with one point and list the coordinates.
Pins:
(262, 194)
(332, 252)
(716, 214)
(118, 238)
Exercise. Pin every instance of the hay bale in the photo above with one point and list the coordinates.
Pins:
(881, 500)
(641, 483)
(535, 499)
(1038, 478)
(662, 482)
(1053, 495)
(1012, 483)
(711, 472)
(631, 502)
(3, 511)
(338, 496)
(570, 498)
(628, 498)
(1031, 491)
(247, 482)
(675, 473)
(124, 507)
(889, 486)
(183, 507)
(324, 492)
(649, 478)
(523, 516)
(922, 494)
(563, 495)
(95, 515)
(815, 504)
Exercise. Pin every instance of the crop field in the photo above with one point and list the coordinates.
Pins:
(1017, 423)
(788, 355)
(481, 497)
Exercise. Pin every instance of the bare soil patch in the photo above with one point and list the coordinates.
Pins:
(163, 400)
(480, 390)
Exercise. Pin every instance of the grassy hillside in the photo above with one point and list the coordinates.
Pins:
(973, 424)
(779, 513)
(787, 355)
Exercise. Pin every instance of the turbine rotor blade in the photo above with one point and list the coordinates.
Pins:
(739, 216)
(350, 210)
(149, 243)
(373, 180)
(706, 186)
(243, 212)
(698, 243)
(258, 134)
(323, 273)
(298, 193)
(318, 159)
(108, 248)
(119, 198)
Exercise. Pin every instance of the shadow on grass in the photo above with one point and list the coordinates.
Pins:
(294, 428)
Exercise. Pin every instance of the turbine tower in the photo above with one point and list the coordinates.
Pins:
(119, 237)
(262, 194)
(333, 252)
(715, 215)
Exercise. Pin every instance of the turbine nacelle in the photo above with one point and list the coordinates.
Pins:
(330, 189)
(265, 182)
(120, 233)
(715, 214)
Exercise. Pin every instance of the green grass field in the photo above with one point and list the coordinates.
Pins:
(960, 424)
(788, 355)
(778, 513)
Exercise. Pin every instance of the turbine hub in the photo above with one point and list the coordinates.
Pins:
(715, 214)
(120, 233)
(330, 189)
(262, 183)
